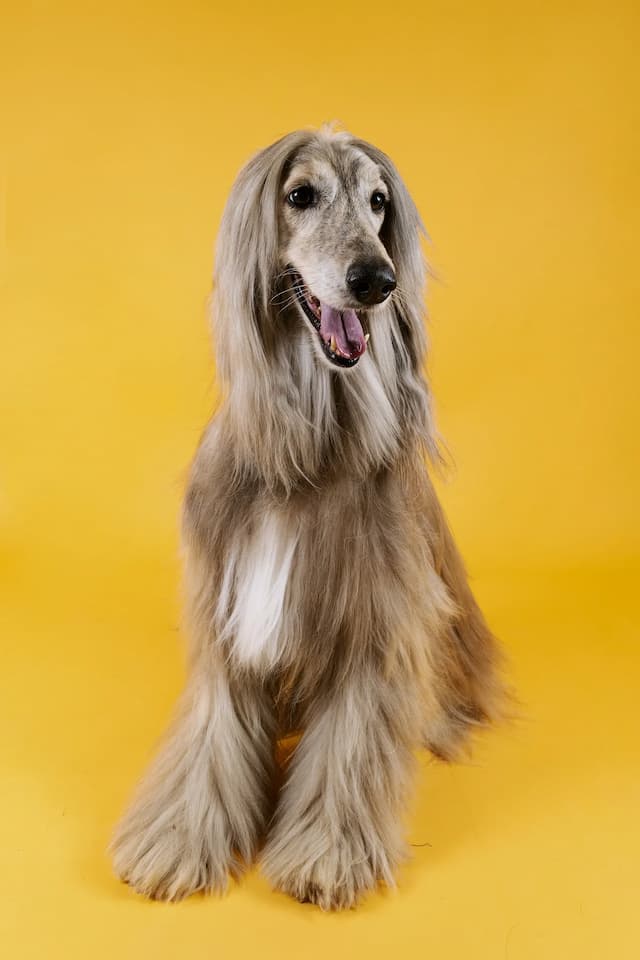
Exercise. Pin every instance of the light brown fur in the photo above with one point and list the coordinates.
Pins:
(373, 643)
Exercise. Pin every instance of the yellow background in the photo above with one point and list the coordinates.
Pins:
(515, 126)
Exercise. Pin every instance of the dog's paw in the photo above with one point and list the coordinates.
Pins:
(336, 879)
(323, 887)
(163, 861)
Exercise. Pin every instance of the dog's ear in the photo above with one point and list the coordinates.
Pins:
(247, 258)
(401, 234)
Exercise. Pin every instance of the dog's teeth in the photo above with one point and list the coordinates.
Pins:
(366, 337)
(333, 344)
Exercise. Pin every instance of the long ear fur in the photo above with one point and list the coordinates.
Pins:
(278, 438)
(247, 260)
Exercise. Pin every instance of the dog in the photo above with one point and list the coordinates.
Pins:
(324, 593)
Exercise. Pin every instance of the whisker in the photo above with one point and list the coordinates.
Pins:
(288, 294)
(280, 295)
(289, 272)
(286, 304)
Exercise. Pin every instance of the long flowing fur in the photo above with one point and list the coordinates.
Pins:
(324, 590)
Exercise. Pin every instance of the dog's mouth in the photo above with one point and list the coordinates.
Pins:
(340, 332)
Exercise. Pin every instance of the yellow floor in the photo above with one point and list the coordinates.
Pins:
(122, 125)
(530, 851)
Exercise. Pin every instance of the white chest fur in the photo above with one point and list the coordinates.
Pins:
(252, 598)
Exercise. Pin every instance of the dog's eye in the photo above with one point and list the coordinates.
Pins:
(378, 201)
(302, 197)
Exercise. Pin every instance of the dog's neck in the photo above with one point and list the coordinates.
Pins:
(293, 419)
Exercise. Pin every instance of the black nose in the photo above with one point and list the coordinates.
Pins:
(371, 281)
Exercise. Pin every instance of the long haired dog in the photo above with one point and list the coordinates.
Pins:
(325, 594)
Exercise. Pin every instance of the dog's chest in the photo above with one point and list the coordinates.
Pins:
(252, 605)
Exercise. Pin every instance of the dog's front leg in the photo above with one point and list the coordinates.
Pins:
(201, 809)
(338, 828)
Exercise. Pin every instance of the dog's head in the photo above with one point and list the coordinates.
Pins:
(333, 207)
(320, 232)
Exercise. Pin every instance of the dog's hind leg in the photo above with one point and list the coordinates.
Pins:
(338, 827)
(201, 809)
(466, 659)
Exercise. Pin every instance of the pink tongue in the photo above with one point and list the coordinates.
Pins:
(345, 327)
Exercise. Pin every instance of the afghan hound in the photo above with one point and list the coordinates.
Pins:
(323, 589)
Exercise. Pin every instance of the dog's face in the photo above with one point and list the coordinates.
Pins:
(332, 208)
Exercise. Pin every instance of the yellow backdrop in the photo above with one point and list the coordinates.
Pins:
(516, 128)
